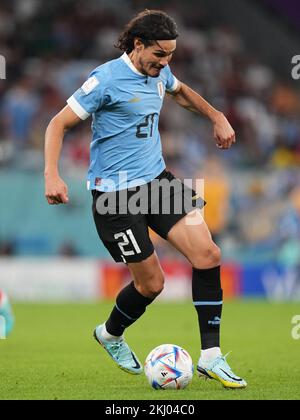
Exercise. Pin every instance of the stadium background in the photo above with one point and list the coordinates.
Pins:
(53, 253)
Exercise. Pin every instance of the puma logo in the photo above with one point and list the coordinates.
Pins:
(134, 100)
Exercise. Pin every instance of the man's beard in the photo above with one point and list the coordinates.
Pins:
(145, 72)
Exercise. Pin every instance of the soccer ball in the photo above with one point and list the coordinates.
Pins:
(6, 316)
(169, 367)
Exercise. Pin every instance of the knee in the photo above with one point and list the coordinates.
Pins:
(156, 285)
(208, 258)
(153, 286)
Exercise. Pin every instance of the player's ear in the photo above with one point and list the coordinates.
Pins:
(138, 44)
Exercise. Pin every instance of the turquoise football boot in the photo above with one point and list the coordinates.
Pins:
(219, 369)
(120, 352)
(7, 319)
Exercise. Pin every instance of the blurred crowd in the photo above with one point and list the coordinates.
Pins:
(252, 190)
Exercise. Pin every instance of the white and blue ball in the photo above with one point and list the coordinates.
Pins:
(169, 367)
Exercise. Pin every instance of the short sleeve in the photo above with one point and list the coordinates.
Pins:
(172, 83)
(89, 98)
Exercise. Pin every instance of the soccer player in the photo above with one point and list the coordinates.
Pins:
(124, 97)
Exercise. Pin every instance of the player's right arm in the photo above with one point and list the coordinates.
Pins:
(56, 191)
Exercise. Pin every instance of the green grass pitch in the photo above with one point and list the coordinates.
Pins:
(51, 353)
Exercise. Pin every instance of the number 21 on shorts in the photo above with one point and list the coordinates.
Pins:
(128, 239)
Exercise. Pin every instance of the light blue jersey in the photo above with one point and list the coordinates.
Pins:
(125, 106)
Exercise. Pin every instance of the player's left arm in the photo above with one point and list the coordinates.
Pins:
(192, 101)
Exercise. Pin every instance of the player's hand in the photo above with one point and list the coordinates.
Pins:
(223, 132)
(56, 191)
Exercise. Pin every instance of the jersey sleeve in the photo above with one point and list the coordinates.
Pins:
(90, 97)
(172, 83)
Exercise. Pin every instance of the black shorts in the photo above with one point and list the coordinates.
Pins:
(122, 218)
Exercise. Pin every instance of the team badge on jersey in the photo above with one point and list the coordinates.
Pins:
(161, 90)
(90, 85)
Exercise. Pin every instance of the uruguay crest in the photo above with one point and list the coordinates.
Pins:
(161, 90)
